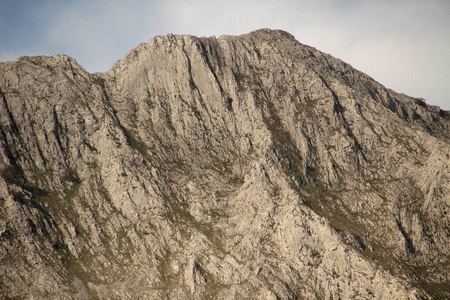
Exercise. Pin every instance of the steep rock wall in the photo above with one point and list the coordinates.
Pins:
(237, 167)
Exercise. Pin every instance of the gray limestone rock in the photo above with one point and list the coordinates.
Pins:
(243, 167)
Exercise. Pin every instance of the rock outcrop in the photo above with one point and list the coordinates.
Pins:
(231, 168)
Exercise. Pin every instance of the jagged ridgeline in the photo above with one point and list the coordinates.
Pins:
(243, 167)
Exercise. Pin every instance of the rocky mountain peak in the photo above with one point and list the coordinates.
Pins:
(234, 167)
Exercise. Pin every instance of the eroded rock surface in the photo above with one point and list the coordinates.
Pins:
(230, 168)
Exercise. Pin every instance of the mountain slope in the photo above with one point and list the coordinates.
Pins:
(238, 167)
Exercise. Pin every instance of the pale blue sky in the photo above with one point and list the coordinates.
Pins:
(403, 44)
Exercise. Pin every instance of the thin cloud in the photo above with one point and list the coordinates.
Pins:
(100, 32)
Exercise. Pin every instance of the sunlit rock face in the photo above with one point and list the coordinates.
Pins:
(248, 167)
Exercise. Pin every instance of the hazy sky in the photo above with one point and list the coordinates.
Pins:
(403, 44)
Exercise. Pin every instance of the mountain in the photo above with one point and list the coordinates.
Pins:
(242, 167)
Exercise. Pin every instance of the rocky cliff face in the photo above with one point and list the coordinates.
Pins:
(238, 167)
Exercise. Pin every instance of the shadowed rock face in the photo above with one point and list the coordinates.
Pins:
(238, 167)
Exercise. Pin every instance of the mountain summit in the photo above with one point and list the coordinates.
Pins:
(232, 168)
